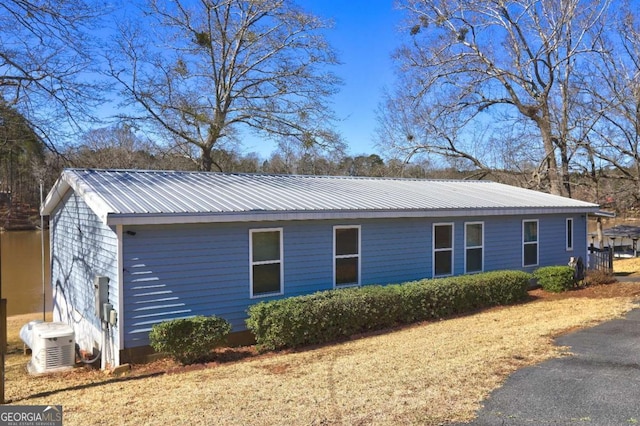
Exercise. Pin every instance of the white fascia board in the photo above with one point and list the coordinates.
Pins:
(55, 196)
(603, 213)
(169, 219)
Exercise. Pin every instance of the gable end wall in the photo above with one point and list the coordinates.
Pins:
(82, 247)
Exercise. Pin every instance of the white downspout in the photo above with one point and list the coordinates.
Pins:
(120, 303)
(104, 346)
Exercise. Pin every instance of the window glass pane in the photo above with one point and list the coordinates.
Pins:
(530, 232)
(347, 271)
(443, 263)
(266, 246)
(530, 254)
(569, 233)
(266, 278)
(443, 236)
(346, 241)
(474, 260)
(474, 235)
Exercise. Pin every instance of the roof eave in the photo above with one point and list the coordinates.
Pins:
(276, 216)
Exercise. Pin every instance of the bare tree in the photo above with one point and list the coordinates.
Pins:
(203, 71)
(614, 147)
(45, 62)
(476, 70)
(113, 147)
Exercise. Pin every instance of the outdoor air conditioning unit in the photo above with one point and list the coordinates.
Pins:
(53, 346)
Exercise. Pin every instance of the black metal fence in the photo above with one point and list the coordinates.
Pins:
(601, 259)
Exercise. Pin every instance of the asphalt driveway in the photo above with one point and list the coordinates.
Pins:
(598, 385)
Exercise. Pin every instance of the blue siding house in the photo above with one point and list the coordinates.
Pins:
(159, 245)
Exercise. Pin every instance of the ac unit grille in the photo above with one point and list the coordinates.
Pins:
(55, 357)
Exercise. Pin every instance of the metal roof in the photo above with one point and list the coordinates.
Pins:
(622, 231)
(148, 197)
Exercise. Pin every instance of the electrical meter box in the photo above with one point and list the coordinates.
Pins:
(101, 287)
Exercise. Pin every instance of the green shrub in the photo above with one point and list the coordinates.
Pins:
(190, 339)
(554, 279)
(336, 314)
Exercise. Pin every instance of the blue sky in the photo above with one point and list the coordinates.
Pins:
(364, 36)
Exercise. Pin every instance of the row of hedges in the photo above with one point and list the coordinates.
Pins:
(335, 314)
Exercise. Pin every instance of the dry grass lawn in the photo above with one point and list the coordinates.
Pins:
(430, 373)
(628, 267)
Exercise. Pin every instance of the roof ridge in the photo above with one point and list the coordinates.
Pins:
(284, 175)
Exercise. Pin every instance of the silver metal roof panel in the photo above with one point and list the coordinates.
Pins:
(144, 196)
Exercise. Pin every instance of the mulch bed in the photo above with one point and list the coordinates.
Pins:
(619, 289)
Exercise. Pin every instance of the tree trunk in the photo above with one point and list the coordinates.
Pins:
(553, 173)
(206, 160)
(599, 233)
(564, 169)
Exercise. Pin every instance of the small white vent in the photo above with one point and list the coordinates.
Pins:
(52, 346)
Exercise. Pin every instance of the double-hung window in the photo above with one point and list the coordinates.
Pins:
(569, 234)
(473, 247)
(442, 249)
(265, 258)
(346, 255)
(529, 243)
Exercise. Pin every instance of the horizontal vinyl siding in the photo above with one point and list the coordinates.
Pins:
(82, 247)
(181, 271)
(308, 267)
(553, 236)
(184, 270)
(580, 233)
(502, 243)
(395, 250)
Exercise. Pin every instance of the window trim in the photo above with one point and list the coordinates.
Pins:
(359, 256)
(252, 263)
(466, 247)
(434, 250)
(569, 233)
(537, 242)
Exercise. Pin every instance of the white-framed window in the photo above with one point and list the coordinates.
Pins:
(442, 249)
(266, 262)
(473, 247)
(569, 234)
(346, 256)
(529, 243)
